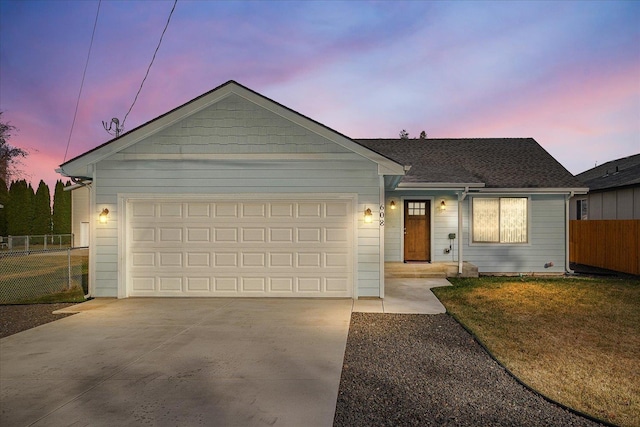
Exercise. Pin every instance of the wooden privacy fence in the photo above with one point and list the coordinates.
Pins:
(611, 244)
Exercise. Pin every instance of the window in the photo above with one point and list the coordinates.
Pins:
(417, 208)
(581, 209)
(500, 220)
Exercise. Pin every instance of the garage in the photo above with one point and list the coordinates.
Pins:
(235, 247)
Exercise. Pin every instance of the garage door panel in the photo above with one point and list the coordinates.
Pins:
(226, 234)
(240, 248)
(198, 234)
(170, 234)
(198, 210)
(198, 259)
(198, 284)
(171, 210)
(254, 235)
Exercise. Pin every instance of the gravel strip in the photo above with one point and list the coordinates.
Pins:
(18, 318)
(426, 370)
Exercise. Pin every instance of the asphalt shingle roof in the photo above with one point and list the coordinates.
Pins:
(496, 162)
(616, 173)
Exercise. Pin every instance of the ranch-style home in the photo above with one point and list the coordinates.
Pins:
(235, 195)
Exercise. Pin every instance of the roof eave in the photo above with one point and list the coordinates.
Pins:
(79, 164)
(540, 190)
(439, 185)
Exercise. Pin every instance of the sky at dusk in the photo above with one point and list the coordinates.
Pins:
(565, 73)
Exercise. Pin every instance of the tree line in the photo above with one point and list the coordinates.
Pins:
(27, 212)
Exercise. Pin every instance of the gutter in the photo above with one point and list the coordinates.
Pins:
(79, 181)
(439, 186)
(461, 196)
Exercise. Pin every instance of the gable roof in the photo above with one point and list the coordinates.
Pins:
(78, 166)
(616, 173)
(495, 162)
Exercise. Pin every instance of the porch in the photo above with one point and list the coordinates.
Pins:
(428, 270)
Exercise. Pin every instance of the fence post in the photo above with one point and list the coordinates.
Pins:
(27, 247)
(69, 265)
(45, 242)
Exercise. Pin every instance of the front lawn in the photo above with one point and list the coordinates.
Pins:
(575, 340)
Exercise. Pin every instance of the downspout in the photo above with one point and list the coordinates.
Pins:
(461, 197)
(566, 231)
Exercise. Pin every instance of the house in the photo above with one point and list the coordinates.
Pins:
(614, 191)
(234, 194)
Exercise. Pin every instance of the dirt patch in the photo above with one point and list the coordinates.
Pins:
(18, 318)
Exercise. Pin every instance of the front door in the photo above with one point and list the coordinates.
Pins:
(417, 230)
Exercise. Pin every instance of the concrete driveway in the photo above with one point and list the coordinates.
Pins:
(244, 362)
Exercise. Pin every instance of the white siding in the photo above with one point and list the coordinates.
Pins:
(546, 240)
(79, 212)
(238, 127)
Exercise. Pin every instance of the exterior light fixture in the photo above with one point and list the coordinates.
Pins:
(392, 205)
(104, 216)
(368, 216)
(443, 205)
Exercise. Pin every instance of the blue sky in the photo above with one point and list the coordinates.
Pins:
(565, 73)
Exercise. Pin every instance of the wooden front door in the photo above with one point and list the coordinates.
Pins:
(417, 230)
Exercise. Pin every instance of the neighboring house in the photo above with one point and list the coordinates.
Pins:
(80, 213)
(614, 191)
(233, 194)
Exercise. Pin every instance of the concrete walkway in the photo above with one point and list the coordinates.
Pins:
(405, 296)
(190, 361)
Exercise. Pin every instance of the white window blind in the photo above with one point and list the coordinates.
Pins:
(500, 220)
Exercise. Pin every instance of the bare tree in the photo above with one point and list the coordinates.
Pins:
(9, 155)
(404, 134)
(423, 135)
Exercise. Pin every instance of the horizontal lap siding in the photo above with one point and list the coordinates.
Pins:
(546, 242)
(235, 126)
(444, 222)
(335, 178)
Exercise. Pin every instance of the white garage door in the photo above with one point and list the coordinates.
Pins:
(240, 248)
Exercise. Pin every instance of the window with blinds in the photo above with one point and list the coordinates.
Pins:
(500, 220)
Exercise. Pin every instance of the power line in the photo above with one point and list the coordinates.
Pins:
(151, 63)
(84, 73)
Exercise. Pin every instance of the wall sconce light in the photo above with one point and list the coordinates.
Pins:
(392, 205)
(443, 205)
(368, 216)
(104, 215)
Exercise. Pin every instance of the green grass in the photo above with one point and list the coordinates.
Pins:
(29, 277)
(576, 340)
(74, 295)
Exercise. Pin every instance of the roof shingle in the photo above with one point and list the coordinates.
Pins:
(496, 162)
(616, 173)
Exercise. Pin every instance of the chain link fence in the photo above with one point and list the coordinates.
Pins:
(28, 275)
(35, 243)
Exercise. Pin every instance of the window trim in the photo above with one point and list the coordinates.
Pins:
(581, 203)
(471, 222)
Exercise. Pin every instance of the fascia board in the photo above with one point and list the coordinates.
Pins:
(534, 190)
(439, 185)
(78, 166)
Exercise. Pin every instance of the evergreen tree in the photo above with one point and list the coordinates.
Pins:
(61, 209)
(4, 201)
(42, 210)
(9, 155)
(20, 208)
